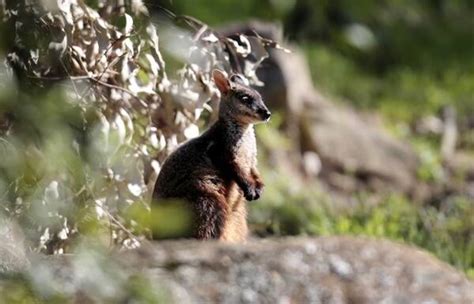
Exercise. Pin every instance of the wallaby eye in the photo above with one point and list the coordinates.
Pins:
(245, 98)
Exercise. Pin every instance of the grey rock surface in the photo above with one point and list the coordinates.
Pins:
(300, 270)
(346, 142)
(338, 269)
(13, 256)
(348, 145)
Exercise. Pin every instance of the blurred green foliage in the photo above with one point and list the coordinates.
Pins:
(403, 59)
(169, 219)
(97, 281)
(403, 93)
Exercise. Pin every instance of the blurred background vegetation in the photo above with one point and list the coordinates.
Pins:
(403, 58)
(404, 62)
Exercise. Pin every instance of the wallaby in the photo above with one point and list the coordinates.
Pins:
(215, 172)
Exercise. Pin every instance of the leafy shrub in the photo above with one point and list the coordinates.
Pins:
(90, 109)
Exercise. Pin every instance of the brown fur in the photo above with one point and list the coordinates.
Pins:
(216, 172)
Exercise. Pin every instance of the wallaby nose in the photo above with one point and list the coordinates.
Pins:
(266, 115)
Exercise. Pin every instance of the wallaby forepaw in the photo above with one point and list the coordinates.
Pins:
(257, 194)
(252, 193)
(249, 195)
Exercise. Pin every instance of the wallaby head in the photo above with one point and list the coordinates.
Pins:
(239, 102)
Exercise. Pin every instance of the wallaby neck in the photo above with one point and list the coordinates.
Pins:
(233, 131)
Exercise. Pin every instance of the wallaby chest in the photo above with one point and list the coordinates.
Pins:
(245, 149)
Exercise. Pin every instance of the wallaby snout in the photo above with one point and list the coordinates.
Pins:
(265, 114)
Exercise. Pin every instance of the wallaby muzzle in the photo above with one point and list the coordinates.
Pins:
(264, 114)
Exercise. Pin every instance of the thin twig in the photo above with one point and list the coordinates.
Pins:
(450, 133)
(86, 91)
(120, 88)
(95, 80)
(60, 77)
(120, 225)
(199, 33)
(111, 217)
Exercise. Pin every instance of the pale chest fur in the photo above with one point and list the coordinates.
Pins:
(246, 150)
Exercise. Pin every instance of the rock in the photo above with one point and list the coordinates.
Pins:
(345, 142)
(293, 270)
(13, 257)
(461, 164)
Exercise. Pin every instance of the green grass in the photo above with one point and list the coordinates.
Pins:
(446, 230)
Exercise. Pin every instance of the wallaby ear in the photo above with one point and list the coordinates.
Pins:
(222, 83)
